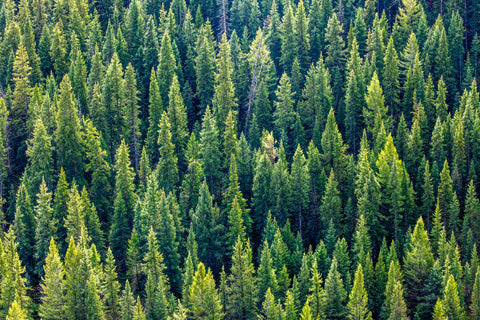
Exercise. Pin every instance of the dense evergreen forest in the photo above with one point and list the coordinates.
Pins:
(239, 159)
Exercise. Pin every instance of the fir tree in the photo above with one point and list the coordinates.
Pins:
(167, 164)
(45, 226)
(204, 302)
(358, 300)
(123, 206)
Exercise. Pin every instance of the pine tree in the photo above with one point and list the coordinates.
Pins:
(155, 109)
(113, 101)
(19, 105)
(284, 116)
(398, 308)
(111, 288)
(167, 164)
(127, 303)
(210, 150)
(205, 66)
(302, 37)
(155, 286)
(289, 45)
(24, 227)
(58, 51)
(242, 296)
(300, 178)
(451, 301)
(475, 303)
(418, 262)
(39, 153)
(204, 302)
(13, 283)
(375, 112)
(99, 168)
(205, 224)
(335, 293)
(390, 76)
(53, 300)
(67, 134)
(358, 300)
(266, 275)
(123, 206)
(16, 312)
(45, 226)
(131, 112)
(177, 114)
(331, 207)
(317, 297)
(224, 100)
(334, 48)
(169, 242)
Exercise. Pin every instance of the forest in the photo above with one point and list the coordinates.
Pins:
(239, 159)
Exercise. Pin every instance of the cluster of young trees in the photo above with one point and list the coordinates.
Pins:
(243, 159)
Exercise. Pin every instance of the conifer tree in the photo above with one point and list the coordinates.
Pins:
(111, 288)
(418, 262)
(224, 100)
(46, 226)
(155, 286)
(390, 76)
(205, 66)
(284, 116)
(204, 302)
(398, 308)
(53, 300)
(19, 105)
(16, 312)
(210, 150)
(167, 164)
(475, 303)
(127, 302)
(358, 300)
(113, 102)
(334, 48)
(451, 301)
(39, 154)
(289, 45)
(207, 229)
(13, 283)
(99, 168)
(155, 109)
(302, 36)
(300, 178)
(242, 295)
(67, 135)
(123, 206)
(335, 293)
(317, 297)
(131, 112)
(24, 227)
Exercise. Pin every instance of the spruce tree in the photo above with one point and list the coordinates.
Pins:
(335, 293)
(204, 302)
(46, 226)
(210, 150)
(67, 134)
(390, 76)
(13, 283)
(24, 227)
(358, 300)
(224, 100)
(131, 112)
(19, 105)
(53, 300)
(125, 199)
(167, 164)
(242, 295)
